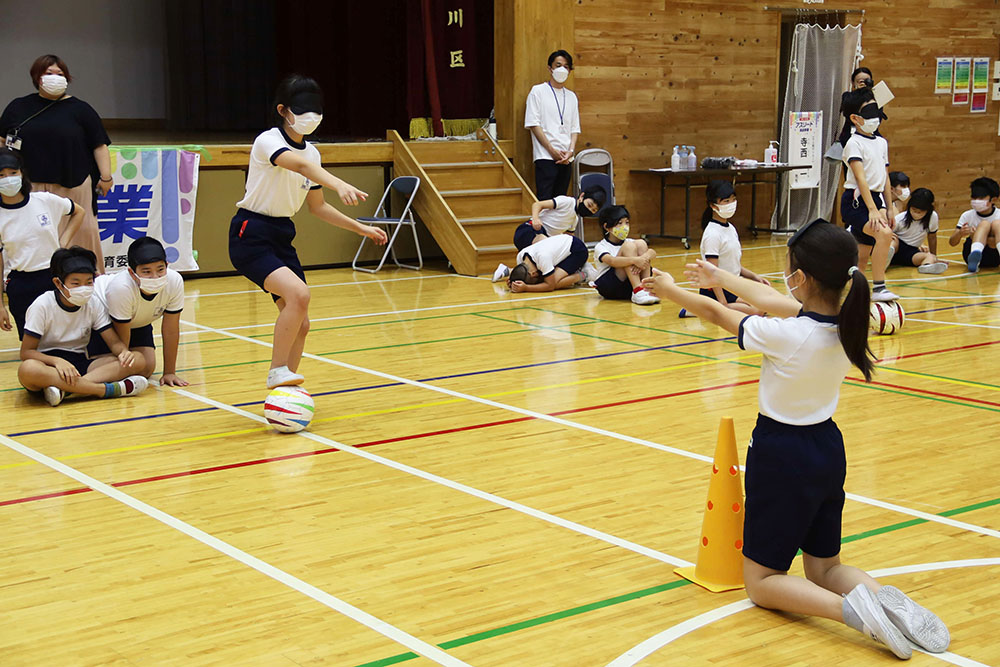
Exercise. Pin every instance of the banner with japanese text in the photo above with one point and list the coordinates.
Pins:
(154, 195)
(805, 132)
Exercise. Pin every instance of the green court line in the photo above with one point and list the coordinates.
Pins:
(624, 324)
(645, 592)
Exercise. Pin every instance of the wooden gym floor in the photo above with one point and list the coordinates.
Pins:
(511, 478)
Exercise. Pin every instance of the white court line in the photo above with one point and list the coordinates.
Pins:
(925, 280)
(457, 486)
(697, 252)
(924, 515)
(946, 298)
(575, 425)
(392, 632)
(956, 324)
(646, 648)
(356, 282)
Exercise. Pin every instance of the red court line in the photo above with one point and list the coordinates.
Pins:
(947, 349)
(928, 392)
(326, 450)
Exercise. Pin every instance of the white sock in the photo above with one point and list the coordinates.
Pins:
(977, 246)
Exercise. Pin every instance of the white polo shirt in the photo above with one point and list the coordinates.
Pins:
(605, 247)
(29, 231)
(548, 252)
(721, 240)
(557, 112)
(804, 365)
(560, 219)
(273, 190)
(58, 327)
(972, 218)
(125, 302)
(914, 234)
(874, 155)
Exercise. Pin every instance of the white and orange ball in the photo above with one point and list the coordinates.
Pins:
(887, 317)
(289, 409)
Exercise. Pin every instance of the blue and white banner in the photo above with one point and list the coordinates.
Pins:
(154, 195)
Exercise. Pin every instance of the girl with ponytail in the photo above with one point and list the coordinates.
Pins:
(796, 465)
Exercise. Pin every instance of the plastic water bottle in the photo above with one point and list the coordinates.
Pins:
(771, 153)
(682, 157)
(692, 159)
(675, 160)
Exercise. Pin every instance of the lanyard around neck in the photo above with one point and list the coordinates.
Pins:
(554, 97)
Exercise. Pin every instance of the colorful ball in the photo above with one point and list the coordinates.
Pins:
(289, 409)
(887, 317)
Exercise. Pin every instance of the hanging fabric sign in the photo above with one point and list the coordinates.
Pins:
(805, 135)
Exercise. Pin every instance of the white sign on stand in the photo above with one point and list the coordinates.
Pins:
(805, 133)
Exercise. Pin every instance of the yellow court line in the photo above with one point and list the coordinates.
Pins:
(964, 383)
(371, 413)
(947, 326)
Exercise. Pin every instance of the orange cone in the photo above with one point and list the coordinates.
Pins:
(720, 555)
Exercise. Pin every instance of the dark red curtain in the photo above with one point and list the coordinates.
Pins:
(450, 51)
(357, 52)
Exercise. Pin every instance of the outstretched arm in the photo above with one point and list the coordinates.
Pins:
(349, 194)
(319, 207)
(662, 284)
(761, 296)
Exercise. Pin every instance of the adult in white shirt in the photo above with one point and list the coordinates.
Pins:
(552, 114)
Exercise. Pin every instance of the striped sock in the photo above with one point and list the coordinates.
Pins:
(116, 389)
(878, 285)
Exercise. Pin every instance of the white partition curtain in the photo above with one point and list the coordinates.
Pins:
(819, 71)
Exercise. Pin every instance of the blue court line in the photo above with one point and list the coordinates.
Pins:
(439, 377)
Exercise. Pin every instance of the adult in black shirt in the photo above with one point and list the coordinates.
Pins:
(860, 78)
(63, 144)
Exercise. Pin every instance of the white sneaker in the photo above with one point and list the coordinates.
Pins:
(134, 384)
(589, 273)
(876, 624)
(53, 395)
(644, 298)
(919, 625)
(936, 267)
(884, 295)
(501, 272)
(283, 377)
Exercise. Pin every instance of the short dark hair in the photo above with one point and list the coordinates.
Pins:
(852, 102)
(984, 187)
(596, 193)
(715, 190)
(292, 87)
(611, 215)
(898, 178)
(12, 160)
(521, 273)
(862, 70)
(72, 260)
(145, 250)
(42, 63)
(564, 54)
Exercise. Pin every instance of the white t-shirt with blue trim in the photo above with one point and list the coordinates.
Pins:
(274, 190)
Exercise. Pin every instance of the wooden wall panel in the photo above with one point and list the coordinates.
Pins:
(651, 74)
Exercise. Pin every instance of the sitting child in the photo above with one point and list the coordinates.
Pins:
(550, 217)
(135, 298)
(622, 262)
(911, 227)
(551, 263)
(980, 226)
(56, 330)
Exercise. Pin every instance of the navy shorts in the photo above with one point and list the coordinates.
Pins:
(578, 255)
(795, 492)
(854, 214)
(991, 257)
(23, 287)
(611, 287)
(904, 255)
(730, 297)
(79, 360)
(261, 244)
(525, 234)
(139, 337)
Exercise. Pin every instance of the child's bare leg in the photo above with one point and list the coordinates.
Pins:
(633, 248)
(985, 233)
(565, 280)
(864, 252)
(108, 369)
(880, 252)
(836, 577)
(36, 376)
(773, 589)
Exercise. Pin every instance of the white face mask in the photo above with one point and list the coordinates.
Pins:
(870, 125)
(79, 296)
(620, 232)
(904, 194)
(10, 185)
(560, 74)
(981, 205)
(726, 211)
(306, 123)
(152, 285)
(53, 84)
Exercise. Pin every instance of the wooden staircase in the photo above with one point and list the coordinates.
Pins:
(470, 198)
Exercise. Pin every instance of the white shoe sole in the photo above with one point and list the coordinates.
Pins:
(936, 267)
(288, 381)
(884, 296)
(501, 272)
(876, 624)
(53, 395)
(917, 624)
